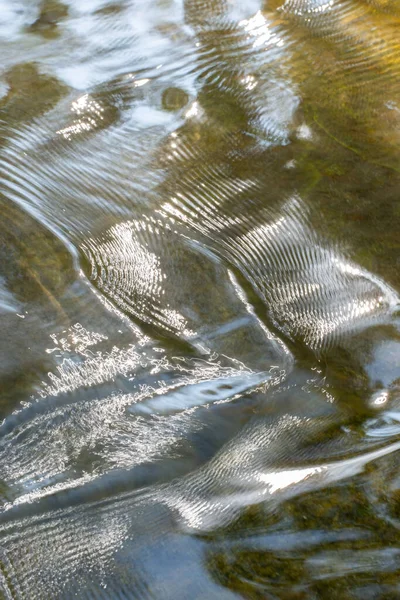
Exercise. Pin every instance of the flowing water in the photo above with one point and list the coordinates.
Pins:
(199, 299)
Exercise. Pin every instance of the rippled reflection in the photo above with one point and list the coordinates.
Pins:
(199, 299)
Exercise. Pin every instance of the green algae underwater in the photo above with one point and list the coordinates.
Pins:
(199, 299)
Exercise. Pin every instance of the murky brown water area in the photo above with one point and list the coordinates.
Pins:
(199, 299)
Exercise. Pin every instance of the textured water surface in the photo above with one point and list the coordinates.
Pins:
(199, 299)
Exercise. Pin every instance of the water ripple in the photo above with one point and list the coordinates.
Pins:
(199, 299)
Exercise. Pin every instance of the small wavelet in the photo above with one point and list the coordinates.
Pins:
(220, 390)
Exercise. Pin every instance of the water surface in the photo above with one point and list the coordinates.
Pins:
(199, 299)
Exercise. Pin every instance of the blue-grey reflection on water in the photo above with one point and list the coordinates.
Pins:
(199, 299)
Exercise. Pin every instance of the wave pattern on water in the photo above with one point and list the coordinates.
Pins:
(199, 299)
